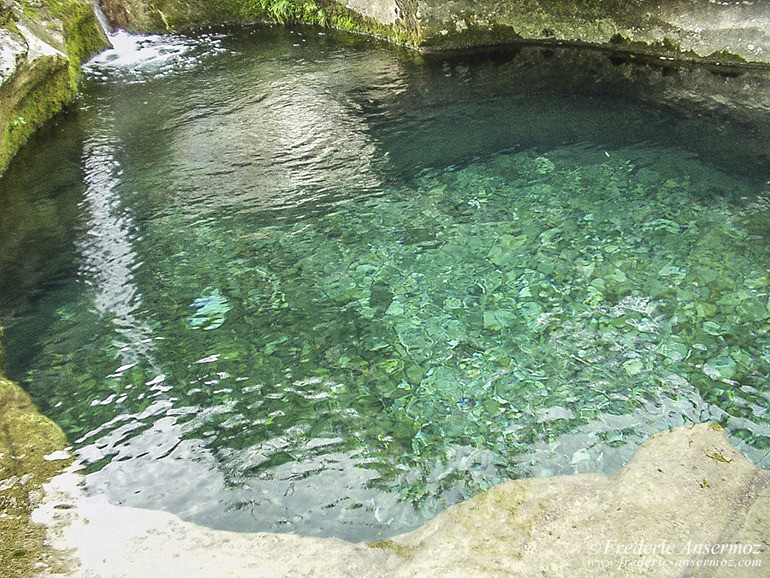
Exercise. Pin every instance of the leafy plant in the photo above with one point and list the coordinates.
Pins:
(290, 11)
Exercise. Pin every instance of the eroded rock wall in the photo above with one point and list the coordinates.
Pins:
(43, 42)
(694, 29)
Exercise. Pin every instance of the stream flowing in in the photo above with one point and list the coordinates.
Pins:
(300, 281)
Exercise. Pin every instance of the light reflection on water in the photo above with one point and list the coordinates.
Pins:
(286, 281)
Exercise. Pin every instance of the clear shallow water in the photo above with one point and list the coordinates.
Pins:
(298, 282)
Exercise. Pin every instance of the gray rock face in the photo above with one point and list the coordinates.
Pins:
(738, 26)
(386, 11)
(12, 48)
(687, 504)
(689, 28)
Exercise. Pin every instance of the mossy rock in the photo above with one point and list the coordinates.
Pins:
(43, 83)
(180, 15)
(26, 438)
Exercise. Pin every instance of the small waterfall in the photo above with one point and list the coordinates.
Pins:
(102, 19)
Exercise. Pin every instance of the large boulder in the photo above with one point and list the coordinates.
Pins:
(41, 50)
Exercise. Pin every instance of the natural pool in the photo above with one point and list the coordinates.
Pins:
(291, 281)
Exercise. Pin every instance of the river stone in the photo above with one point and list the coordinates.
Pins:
(720, 368)
(684, 490)
(633, 367)
(712, 328)
(674, 351)
(498, 319)
(753, 309)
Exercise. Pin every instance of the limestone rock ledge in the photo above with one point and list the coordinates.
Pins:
(721, 31)
(735, 32)
(42, 45)
(687, 504)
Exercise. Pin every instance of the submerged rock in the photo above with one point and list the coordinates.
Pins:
(589, 525)
(209, 311)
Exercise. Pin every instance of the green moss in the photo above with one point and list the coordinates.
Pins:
(665, 46)
(40, 89)
(726, 57)
(26, 437)
(472, 35)
(37, 92)
(717, 456)
(83, 36)
(176, 16)
(343, 18)
(719, 62)
(7, 18)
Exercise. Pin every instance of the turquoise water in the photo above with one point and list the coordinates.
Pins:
(290, 281)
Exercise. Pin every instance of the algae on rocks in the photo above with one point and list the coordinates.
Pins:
(679, 30)
(31, 453)
(42, 46)
(43, 42)
(178, 15)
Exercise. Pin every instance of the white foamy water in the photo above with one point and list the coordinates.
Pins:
(139, 58)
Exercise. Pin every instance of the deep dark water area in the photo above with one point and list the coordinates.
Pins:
(290, 281)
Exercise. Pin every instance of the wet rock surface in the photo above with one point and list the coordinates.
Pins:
(689, 29)
(30, 454)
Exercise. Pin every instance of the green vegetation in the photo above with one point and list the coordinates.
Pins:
(49, 86)
(82, 34)
(472, 35)
(6, 17)
(177, 16)
(288, 11)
